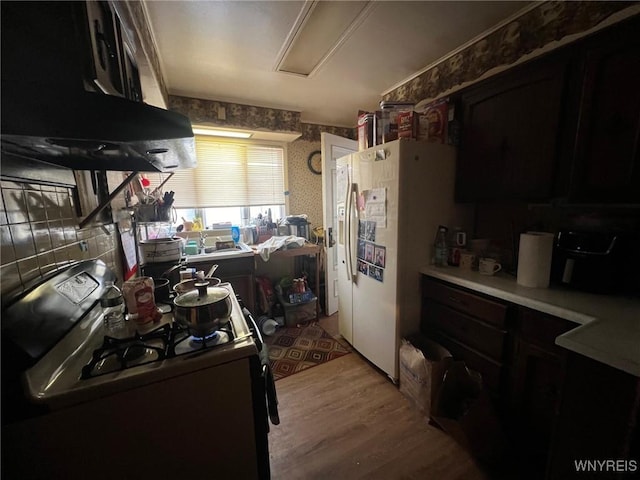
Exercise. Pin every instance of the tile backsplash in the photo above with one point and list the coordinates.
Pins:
(39, 233)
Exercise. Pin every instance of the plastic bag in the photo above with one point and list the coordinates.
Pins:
(465, 411)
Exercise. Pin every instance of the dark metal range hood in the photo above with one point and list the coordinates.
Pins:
(93, 131)
(69, 93)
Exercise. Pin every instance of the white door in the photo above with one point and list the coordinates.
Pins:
(333, 147)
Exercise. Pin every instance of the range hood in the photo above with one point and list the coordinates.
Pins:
(93, 131)
(71, 95)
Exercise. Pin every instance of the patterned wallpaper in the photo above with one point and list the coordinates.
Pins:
(236, 115)
(305, 187)
(539, 27)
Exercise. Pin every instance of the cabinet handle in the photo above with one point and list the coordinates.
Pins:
(457, 301)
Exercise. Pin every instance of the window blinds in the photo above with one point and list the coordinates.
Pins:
(230, 174)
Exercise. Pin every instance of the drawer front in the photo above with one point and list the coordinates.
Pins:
(467, 330)
(490, 370)
(482, 308)
(541, 328)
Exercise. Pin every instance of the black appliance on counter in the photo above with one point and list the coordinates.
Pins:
(597, 262)
(298, 226)
(159, 402)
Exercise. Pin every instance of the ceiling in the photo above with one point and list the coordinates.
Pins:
(228, 51)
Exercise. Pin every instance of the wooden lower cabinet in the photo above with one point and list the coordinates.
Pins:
(536, 383)
(470, 326)
(598, 420)
(544, 396)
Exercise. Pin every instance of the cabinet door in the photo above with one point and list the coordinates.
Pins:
(509, 138)
(538, 381)
(537, 377)
(598, 419)
(606, 163)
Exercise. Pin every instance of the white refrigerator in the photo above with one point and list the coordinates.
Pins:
(390, 200)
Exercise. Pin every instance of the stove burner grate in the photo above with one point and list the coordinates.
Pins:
(183, 342)
(120, 353)
(165, 341)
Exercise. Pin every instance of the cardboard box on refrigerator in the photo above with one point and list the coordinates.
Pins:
(408, 124)
(389, 118)
(367, 130)
(433, 122)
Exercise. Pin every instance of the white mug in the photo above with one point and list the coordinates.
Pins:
(488, 266)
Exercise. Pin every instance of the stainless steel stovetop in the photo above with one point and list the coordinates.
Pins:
(57, 379)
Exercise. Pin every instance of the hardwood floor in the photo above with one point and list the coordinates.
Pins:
(345, 420)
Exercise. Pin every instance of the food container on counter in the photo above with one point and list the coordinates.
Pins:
(139, 297)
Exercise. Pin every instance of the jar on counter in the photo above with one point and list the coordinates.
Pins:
(140, 299)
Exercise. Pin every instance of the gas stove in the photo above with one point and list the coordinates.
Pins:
(87, 364)
(165, 341)
(81, 389)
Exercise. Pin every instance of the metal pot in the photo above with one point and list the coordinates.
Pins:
(203, 310)
(186, 285)
(157, 250)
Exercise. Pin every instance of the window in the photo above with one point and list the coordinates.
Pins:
(231, 183)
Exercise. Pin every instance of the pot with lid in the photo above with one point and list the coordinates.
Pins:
(204, 309)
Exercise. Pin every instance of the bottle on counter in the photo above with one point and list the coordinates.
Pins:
(441, 247)
(235, 234)
(112, 303)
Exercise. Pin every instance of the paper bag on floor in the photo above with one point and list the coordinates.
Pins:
(422, 367)
(464, 410)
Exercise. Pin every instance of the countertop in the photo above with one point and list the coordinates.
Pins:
(607, 326)
(306, 249)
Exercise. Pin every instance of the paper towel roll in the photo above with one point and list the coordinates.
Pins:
(534, 259)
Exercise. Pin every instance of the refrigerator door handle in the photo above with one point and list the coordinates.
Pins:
(351, 240)
(353, 235)
(347, 232)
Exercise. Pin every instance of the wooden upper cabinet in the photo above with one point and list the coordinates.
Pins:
(510, 134)
(607, 143)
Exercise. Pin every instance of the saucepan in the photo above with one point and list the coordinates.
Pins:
(186, 285)
(204, 309)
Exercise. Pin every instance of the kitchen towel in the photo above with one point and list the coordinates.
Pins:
(534, 259)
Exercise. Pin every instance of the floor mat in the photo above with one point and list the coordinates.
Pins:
(294, 349)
